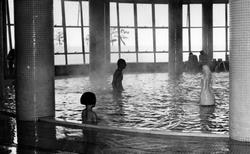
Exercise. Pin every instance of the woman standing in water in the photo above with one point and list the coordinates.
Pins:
(207, 96)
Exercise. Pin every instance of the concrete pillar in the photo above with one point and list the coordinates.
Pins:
(98, 45)
(35, 59)
(239, 70)
(1, 51)
(175, 37)
(207, 28)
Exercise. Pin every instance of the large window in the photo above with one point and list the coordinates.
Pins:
(71, 32)
(139, 32)
(10, 25)
(220, 30)
(192, 29)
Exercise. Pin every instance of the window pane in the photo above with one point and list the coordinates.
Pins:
(126, 14)
(86, 39)
(219, 38)
(59, 59)
(161, 39)
(161, 57)
(58, 40)
(129, 57)
(11, 11)
(85, 11)
(145, 39)
(114, 57)
(228, 38)
(72, 13)
(184, 16)
(219, 14)
(228, 15)
(86, 58)
(74, 40)
(196, 39)
(113, 14)
(144, 15)
(75, 59)
(57, 12)
(12, 38)
(185, 56)
(196, 15)
(161, 15)
(127, 36)
(185, 43)
(113, 39)
(146, 57)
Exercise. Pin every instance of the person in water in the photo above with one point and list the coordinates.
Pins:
(206, 97)
(88, 115)
(118, 76)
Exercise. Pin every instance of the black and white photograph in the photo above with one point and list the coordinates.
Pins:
(124, 76)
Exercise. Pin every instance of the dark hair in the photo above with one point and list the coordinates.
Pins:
(88, 98)
(121, 62)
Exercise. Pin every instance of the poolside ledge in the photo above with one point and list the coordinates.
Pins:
(131, 131)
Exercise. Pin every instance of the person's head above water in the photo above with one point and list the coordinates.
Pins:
(206, 69)
(88, 98)
(202, 52)
(121, 63)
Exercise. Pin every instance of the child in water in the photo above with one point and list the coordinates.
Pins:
(118, 76)
(206, 97)
(88, 115)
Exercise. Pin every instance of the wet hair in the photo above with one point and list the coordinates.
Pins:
(88, 98)
(121, 62)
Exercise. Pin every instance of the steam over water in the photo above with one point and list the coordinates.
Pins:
(150, 101)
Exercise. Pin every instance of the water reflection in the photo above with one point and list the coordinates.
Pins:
(206, 114)
(34, 137)
(150, 101)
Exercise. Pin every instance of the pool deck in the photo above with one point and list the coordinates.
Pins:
(42, 137)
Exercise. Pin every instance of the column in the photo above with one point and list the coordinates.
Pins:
(207, 28)
(175, 37)
(239, 123)
(1, 51)
(98, 44)
(35, 59)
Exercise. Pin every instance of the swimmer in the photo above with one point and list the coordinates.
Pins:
(88, 115)
(118, 76)
(206, 97)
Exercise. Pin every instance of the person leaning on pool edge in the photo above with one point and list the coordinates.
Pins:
(88, 115)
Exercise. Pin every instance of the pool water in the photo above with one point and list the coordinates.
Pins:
(150, 101)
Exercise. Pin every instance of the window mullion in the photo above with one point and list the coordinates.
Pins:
(82, 30)
(189, 27)
(154, 34)
(118, 29)
(64, 32)
(136, 31)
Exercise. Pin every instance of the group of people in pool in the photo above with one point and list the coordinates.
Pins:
(89, 99)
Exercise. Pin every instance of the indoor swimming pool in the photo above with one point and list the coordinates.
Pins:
(150, 101)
